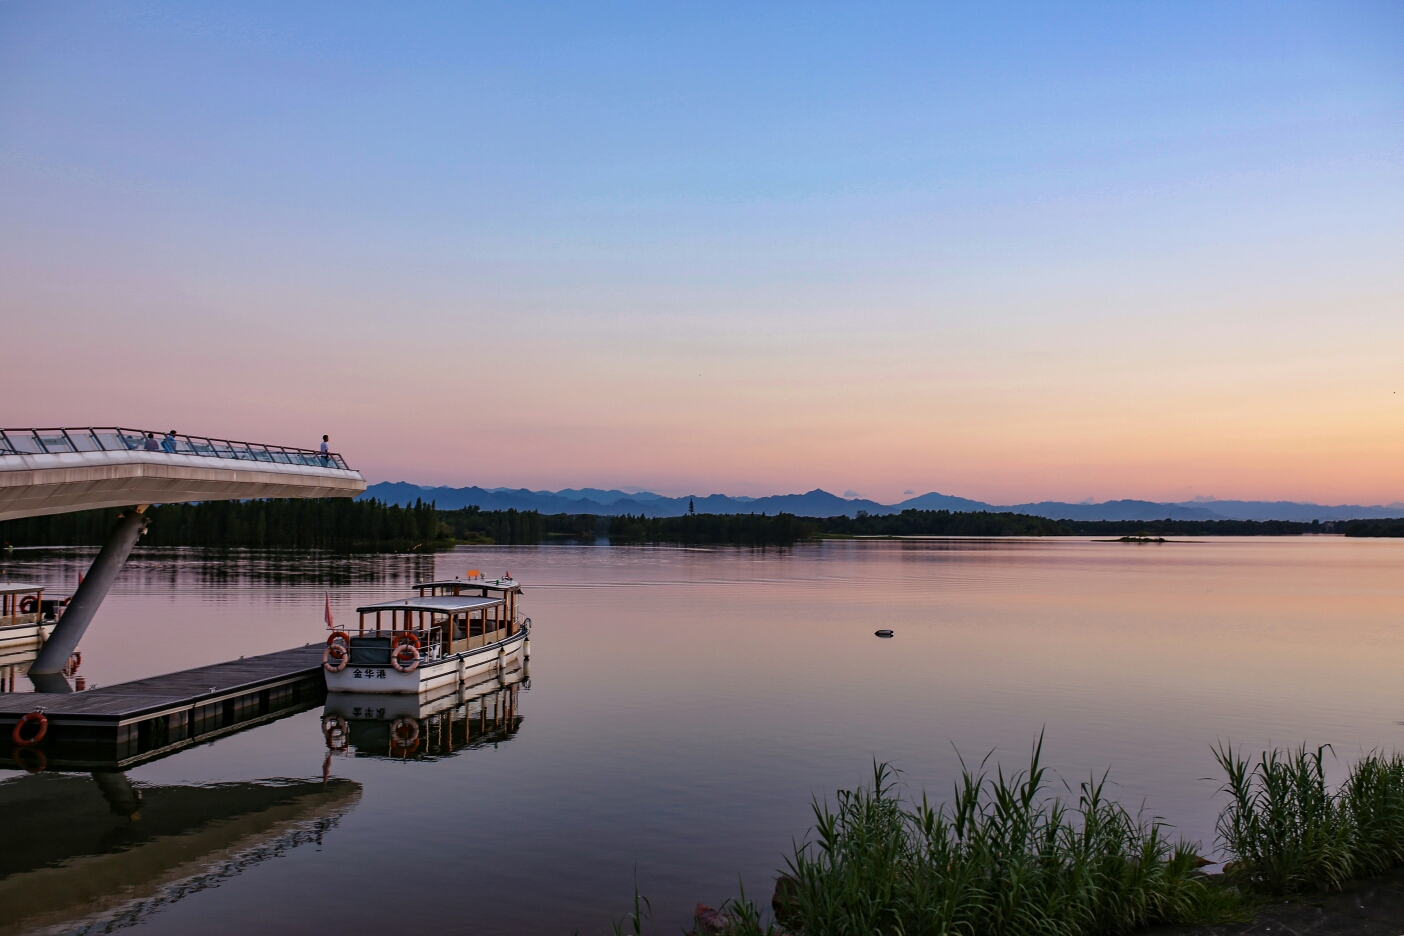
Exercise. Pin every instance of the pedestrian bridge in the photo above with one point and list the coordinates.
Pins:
(49, 471)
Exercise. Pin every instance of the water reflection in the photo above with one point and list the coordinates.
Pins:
(686, 704)
(152, 569)
(416, 727)
(104, 850)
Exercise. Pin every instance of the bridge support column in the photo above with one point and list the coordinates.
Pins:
(53, 656)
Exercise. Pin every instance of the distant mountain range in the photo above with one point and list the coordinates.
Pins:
(819, 503)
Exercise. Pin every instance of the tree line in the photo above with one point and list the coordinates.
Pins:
(1371, 527)
(371, 525)
(783, 529)
(334, 523)
(944, 523)
(512, 527)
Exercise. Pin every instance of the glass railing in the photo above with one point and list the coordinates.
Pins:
(62, 441)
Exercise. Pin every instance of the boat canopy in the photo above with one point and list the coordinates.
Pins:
(436, 604)
(457, 585)
(12, 588)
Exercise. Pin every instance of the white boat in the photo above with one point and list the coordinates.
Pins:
(453, 633)
(26, 620)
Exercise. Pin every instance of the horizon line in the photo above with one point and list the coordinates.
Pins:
(1089, 502)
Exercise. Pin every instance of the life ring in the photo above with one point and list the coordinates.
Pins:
(403, 743)
(39, 766)
(29, 604)
(18, 734)
(335, 658)
(335, 731)
(339, 636)
(407, 647)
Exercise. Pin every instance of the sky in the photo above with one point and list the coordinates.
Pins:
(1012, 252)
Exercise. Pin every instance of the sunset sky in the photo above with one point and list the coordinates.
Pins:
(1010, 252)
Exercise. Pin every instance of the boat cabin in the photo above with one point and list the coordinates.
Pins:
(21, 604)
(443, 625)
(508, 589)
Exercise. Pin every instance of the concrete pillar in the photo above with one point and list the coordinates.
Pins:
(86, 600)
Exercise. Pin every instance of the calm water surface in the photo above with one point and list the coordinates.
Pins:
(684, 705)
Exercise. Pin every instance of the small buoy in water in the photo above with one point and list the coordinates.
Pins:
(883, 633)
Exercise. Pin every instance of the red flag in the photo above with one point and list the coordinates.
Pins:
(329, 614)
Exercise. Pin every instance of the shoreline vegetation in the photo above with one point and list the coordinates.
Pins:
(368, 525)
(1007, 858)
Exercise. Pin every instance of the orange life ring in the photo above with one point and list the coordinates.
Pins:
(29, 604)
(335, 658)
(400, 742)
(39, 766)
(406, 646)
(340, 635)
(18, 734)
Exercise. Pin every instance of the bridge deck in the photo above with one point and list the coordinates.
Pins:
(58, 470)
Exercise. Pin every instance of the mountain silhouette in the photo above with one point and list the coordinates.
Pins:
(820, 503)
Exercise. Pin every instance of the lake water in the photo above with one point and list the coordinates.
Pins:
(684, 705)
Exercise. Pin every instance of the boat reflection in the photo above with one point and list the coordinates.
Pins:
(101, 850)
(425, 727)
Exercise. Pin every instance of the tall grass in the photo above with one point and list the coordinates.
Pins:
(1286, 832)
(1005, 857)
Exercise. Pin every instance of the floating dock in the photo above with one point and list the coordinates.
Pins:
(131, 722)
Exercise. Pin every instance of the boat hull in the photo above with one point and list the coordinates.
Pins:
(20, 641)
(388, 707)
(446, 673)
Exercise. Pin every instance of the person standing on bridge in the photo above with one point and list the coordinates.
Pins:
(325, 449)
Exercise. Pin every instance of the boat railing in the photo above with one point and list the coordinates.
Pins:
(429, 646)
(66, 441)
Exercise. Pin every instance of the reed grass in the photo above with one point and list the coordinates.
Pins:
(1004, 858)
(1008, 857)
(1285, 832)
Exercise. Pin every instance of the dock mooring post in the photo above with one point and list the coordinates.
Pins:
(53, 656)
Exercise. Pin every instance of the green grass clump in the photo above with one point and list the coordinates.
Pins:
(1286, 832)
(1004, 857)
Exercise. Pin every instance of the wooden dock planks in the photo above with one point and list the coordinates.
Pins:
(143, 699)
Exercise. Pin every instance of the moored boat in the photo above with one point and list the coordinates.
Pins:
(453, 633)
(26, 620)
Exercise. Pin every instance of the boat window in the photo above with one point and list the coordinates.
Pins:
(370, 651)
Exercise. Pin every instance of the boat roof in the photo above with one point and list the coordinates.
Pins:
(441, 604)
(497, 584)
(19, 588)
